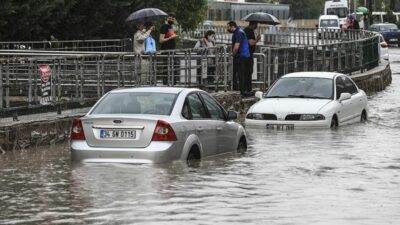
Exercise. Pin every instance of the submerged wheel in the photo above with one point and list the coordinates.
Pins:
(334, 122)
(193, 158)
(242, 146)
(363, 118)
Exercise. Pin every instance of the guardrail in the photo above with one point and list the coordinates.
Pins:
(105, 45)
(82, 76)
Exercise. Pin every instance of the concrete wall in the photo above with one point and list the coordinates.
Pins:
(21, 135)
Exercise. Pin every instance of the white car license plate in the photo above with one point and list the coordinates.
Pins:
(280, 126)
(393, 39)
(117, 134)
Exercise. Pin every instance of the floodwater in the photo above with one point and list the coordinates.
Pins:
(344, 176)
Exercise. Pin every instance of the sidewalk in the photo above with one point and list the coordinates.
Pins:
(41, 117)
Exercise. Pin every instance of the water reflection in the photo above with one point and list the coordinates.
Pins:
(344, 176)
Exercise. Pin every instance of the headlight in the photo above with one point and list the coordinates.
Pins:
(255, 116)
(312, 117)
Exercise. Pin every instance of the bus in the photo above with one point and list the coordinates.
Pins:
(337, 7)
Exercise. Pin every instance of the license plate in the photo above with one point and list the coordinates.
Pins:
(280, 126)
(394, 39)
(117, 134)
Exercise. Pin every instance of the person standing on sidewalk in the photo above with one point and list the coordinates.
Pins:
(241, 57)
(253, 40)
(139, 38)
(167, 41)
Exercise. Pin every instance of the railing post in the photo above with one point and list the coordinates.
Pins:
(30, 73)
(305, 65)
(103, 79)
(339, 51)
(118, 72)
(269, 67)
(59, 80)
(36, 77)
(1, 85)
(314, 58)
(8, 84)
(98, 76)
(53, 79)
(226, 69)
(76, 79)
(82, 71)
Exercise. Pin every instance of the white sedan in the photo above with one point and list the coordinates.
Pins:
(309, 99)
(155, 125)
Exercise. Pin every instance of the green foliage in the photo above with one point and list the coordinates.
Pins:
(305, 9)
(25, 20)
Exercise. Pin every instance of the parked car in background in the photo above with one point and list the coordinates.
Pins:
(383, 48)
(309, 100)
(328, 26)
(155, 125)
(389, 31)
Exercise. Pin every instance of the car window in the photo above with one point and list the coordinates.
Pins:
(185, 111)
(350, 86)
(196, 107)
(307, 87)
(340, 87)
(136, 103)
(213, 108)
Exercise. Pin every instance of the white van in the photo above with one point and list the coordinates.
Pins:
(328, 26)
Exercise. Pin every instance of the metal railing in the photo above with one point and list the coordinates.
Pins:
(287, 36)
(105, 45)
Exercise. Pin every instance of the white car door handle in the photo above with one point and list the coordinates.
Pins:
(219, 128)
(199, 129)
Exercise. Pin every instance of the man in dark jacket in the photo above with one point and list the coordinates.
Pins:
(253, 40)
(241, 57)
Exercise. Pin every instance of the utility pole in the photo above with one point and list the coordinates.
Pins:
(369, 7)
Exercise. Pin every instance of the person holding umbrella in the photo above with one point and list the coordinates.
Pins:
(253, 40)
(140, 37)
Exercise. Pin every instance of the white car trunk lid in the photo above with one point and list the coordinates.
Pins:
(119, 132)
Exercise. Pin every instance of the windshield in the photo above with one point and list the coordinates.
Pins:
(136, 103)
(340, 12)
(302, 87)
(388, 27)
(329, 23)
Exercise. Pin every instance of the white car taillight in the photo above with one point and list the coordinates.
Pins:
(77, 130)
(163, 132)
(384, 45)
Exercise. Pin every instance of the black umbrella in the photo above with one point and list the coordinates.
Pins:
(262, 17)
(146, 15)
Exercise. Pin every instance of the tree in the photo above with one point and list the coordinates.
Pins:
(26, 20)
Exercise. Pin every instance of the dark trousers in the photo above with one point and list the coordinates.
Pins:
(241, 76)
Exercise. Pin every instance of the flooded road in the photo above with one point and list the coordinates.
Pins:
(345, 176)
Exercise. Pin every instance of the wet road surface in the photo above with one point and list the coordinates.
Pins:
(344, 176)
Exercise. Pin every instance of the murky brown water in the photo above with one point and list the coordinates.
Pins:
(345, 176)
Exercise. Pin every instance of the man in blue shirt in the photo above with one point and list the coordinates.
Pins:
(241, 59)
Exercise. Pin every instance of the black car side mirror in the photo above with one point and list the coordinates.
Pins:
(232, 115)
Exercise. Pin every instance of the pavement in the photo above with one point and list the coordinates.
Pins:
(72, 113)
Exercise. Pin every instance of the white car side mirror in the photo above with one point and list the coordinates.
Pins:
(344, 96)
(258, 94)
